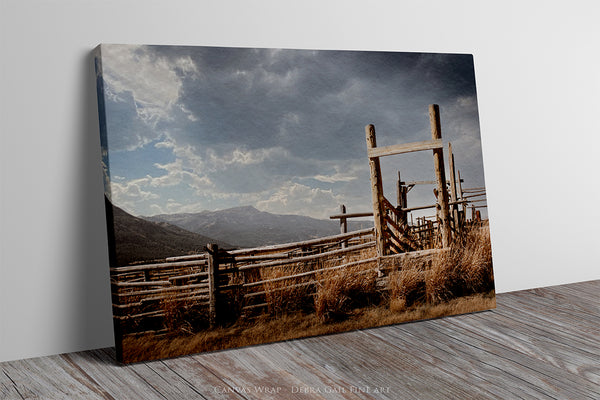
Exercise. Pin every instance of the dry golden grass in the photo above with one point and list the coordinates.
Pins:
(283, 297)
(407, 286)
(335, 290)
(456, 281)
(476, 262)
(341, 290)
(182, 316)
(292, 327)
(464, 269)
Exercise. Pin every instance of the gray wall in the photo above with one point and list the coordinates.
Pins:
(537, 69)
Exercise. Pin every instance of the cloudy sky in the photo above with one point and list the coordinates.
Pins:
(206, 128)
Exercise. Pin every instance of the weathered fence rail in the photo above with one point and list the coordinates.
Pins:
(145, 294)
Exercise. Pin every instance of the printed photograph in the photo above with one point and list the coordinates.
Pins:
(257, 195)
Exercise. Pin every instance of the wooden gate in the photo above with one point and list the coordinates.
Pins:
(391, 226)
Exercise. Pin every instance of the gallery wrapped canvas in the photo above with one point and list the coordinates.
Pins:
(256, 195)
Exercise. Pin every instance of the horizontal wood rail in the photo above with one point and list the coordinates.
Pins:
(412, 183)
(200, 256)
(165, 290)
(405, 148)
(308, 258)
(149, 332)
(473, 195)
(145, 267)
(351, 215)
(308, 273)
(417, 231)
(477, 201)
(188, 276)
(296, 285)
(169, 298)
(306, 243)
(142, 284)
(158, 313)
(412, 255)
(276, 256)
(432, 206)
(474, 189)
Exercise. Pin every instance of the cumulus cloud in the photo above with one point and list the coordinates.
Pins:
(176, 174)
(295, 198)
(151, 84)
(279, 129)
(350, 171)
(129, 195)
(154, 82)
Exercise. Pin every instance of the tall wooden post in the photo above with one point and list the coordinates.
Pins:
(431, 233)
(453, 190)
(461, 193)
(343, 225)
(401, 202)
(376, 192)
(399, 191)
(213, 282)
(438, 162)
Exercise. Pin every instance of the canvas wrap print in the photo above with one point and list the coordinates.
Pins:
(257, 195)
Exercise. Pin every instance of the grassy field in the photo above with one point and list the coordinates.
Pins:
(456, 281)
(293, 326)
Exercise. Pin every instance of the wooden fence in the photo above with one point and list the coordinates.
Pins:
(220, 285)
(394, 233)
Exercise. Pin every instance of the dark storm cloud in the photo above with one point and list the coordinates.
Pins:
(316, 102)
(268, 124)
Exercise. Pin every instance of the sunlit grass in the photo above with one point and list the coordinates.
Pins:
(456, 281)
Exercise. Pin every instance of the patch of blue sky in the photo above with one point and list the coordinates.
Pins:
(140, 162)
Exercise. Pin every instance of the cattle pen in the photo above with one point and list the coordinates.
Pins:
(185, 294)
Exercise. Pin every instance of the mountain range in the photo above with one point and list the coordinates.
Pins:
(248, 227)
(136, 239)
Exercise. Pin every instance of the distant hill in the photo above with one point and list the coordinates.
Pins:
(249, 227)
(137, 239)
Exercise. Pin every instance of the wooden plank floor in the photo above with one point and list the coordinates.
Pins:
(538, 344)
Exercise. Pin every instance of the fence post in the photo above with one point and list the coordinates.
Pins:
(453, 189)
(431, 231)
(376, 191)
(438, 162)
(461, 193)
(213, 282)
(343, 224)
(399, 191)
(401, 201)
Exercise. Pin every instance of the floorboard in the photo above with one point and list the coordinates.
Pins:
(537, 344)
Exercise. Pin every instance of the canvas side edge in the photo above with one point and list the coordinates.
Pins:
(105, 165)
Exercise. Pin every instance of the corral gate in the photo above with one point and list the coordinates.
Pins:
(391, 226)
